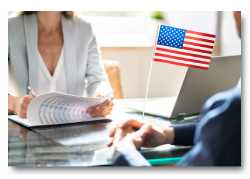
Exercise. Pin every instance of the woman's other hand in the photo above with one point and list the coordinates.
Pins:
(103, 109)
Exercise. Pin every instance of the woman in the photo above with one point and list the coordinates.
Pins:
(54, 51)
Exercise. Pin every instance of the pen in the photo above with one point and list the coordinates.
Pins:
(31, 91)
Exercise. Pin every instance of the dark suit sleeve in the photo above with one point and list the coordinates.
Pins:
(184, 133)
(218, 134)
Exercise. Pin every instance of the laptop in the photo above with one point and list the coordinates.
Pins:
(198, 85)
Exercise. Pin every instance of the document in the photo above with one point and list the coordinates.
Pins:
(57, 108)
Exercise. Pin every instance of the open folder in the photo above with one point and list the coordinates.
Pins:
(57, 108)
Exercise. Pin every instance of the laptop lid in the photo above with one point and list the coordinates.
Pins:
(199, 85)
(159, 107)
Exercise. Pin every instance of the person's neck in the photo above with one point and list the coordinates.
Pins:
(49, 21)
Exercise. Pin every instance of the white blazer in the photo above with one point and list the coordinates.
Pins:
(81, 55)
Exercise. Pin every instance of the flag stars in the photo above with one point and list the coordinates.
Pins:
(170, 36)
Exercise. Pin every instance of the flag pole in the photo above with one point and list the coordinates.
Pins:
(150, 71)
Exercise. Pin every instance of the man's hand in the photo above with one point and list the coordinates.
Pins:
(155, 135)
(103, 109)
(127, 138)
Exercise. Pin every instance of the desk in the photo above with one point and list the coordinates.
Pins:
(78, 144)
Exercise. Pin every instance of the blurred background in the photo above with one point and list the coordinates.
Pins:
(126, 40)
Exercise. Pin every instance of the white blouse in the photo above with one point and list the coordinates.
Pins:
(48, 83)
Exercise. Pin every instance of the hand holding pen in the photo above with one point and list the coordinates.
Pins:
(21, 104)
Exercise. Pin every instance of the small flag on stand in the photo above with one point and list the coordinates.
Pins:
(184, 47)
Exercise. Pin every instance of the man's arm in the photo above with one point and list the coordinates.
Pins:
(218, 134)
(184, 133)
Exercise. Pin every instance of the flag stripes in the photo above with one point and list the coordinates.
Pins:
(198, 36)
(182, 53)
(198, 45)
(184, 56)
(181, 64)
(199, 39)
(184, 47)
(199, 33)
(181, 58)
(196, 50)
(200, 42)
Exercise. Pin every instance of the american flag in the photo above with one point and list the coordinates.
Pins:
(184, 47)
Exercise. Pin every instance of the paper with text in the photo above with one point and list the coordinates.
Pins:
(57, 108)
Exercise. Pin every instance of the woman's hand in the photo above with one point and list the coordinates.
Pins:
(103, 109)
(155, 135)
(22, 104)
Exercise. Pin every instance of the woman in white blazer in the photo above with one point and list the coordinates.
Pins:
(54, 51)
